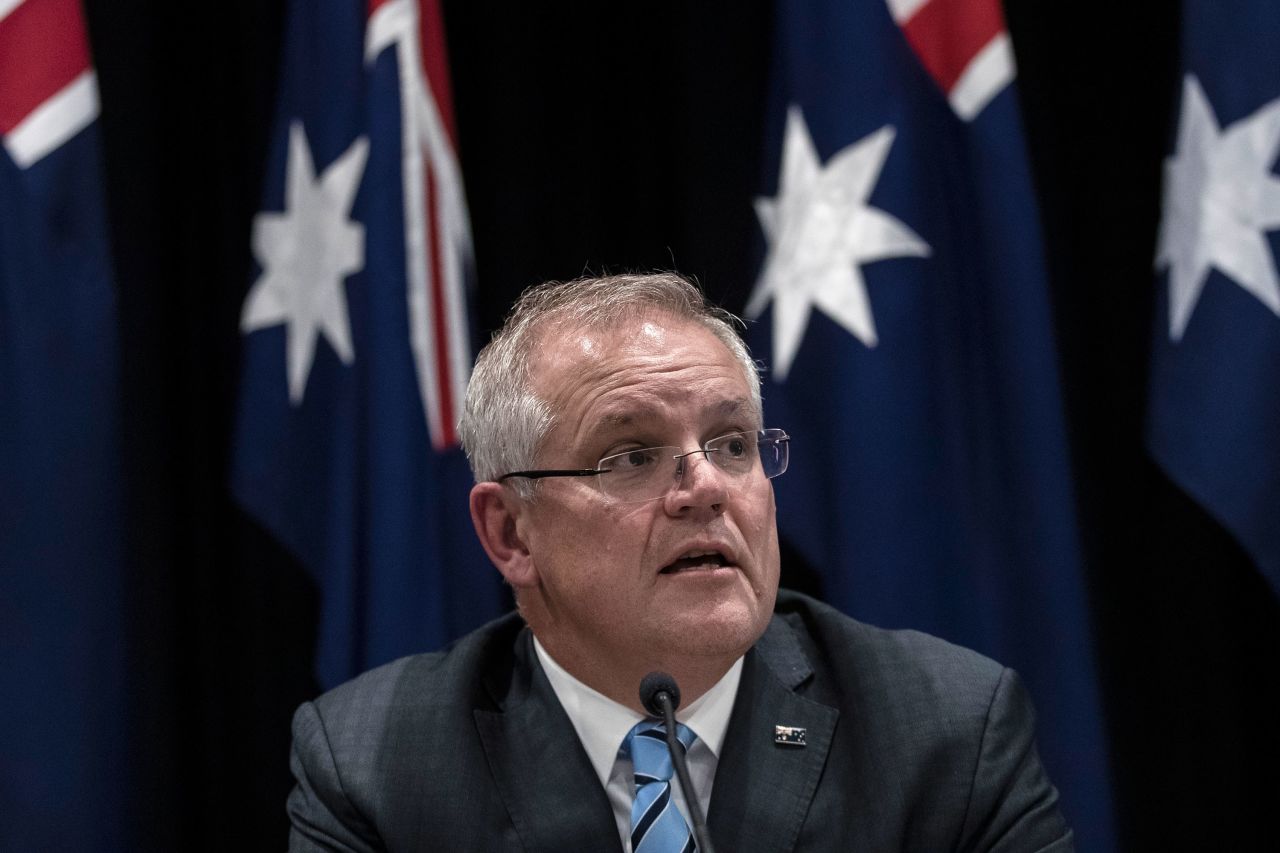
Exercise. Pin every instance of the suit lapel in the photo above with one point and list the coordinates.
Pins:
(541, 770)
(763, 789)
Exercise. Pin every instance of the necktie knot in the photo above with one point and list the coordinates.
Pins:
(646, 745)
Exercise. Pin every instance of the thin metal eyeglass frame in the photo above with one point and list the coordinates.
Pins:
(597, 471)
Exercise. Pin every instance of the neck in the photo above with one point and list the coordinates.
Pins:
(621, 682)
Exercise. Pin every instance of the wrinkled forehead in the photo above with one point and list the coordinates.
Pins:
(566, 352)
(561, 343)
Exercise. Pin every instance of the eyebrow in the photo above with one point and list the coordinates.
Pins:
(724, 408)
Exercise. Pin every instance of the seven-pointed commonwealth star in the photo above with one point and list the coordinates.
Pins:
(306, 252)
(820, 231)
(1220, 198)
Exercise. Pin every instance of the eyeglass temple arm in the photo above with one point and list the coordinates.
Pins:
(537, 475)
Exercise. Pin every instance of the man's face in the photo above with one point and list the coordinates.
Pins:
(687, 578)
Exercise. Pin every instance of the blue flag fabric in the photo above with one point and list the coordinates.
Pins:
(63, 694)
(357, 344)
(1213, 421)
(903, 313)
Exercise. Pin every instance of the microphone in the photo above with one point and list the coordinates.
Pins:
(660, 696)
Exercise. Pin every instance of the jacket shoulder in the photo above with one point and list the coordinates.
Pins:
(950, 731)
(867, 659)
(445, 678)
(370, 738)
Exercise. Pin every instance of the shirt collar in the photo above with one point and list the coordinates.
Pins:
(602, 723)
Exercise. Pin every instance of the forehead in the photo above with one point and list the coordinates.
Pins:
(650, 366)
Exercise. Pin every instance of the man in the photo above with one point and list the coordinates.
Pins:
(622, 489)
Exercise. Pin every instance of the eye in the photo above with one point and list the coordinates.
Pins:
(633, 460)
(735, 446)
(639, 458)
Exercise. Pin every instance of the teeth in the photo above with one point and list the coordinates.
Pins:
(696, 558)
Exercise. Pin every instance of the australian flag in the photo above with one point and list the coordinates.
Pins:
(1213, 420)
(63, 694)
(903, 311)
(357, 338)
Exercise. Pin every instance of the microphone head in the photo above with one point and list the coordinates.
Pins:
(653, 684)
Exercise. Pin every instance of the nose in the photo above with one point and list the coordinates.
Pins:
(701, 487)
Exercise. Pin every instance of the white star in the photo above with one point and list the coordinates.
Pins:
(820, 231)
(306, 252)
(1219, 198)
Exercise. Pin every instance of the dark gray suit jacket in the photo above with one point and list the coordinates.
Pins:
(913, 744)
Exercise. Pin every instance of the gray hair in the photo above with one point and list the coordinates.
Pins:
(503, 422)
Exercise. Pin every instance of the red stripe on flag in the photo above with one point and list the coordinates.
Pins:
(439, 316)
(43, 47)
(948, 34)
(435, 63)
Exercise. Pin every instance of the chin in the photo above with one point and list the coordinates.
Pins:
(727, 631)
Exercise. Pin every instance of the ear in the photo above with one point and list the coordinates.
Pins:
(496, 512)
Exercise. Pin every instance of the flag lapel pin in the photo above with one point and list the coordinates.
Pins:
(790, 735)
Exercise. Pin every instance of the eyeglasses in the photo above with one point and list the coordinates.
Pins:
(648, 473)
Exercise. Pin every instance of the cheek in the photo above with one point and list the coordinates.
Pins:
(762, 533)
(760, 513)
(590, 544)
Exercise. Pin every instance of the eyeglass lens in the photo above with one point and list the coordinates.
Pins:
(648, 472)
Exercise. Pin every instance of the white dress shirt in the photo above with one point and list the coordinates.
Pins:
(602, 723)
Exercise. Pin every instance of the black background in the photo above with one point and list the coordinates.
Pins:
(615, 137)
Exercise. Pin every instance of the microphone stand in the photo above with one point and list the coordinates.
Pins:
(676, 748)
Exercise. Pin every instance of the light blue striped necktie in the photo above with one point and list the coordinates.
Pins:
(656, 824)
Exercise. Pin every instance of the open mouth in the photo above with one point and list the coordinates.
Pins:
(695, 562)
